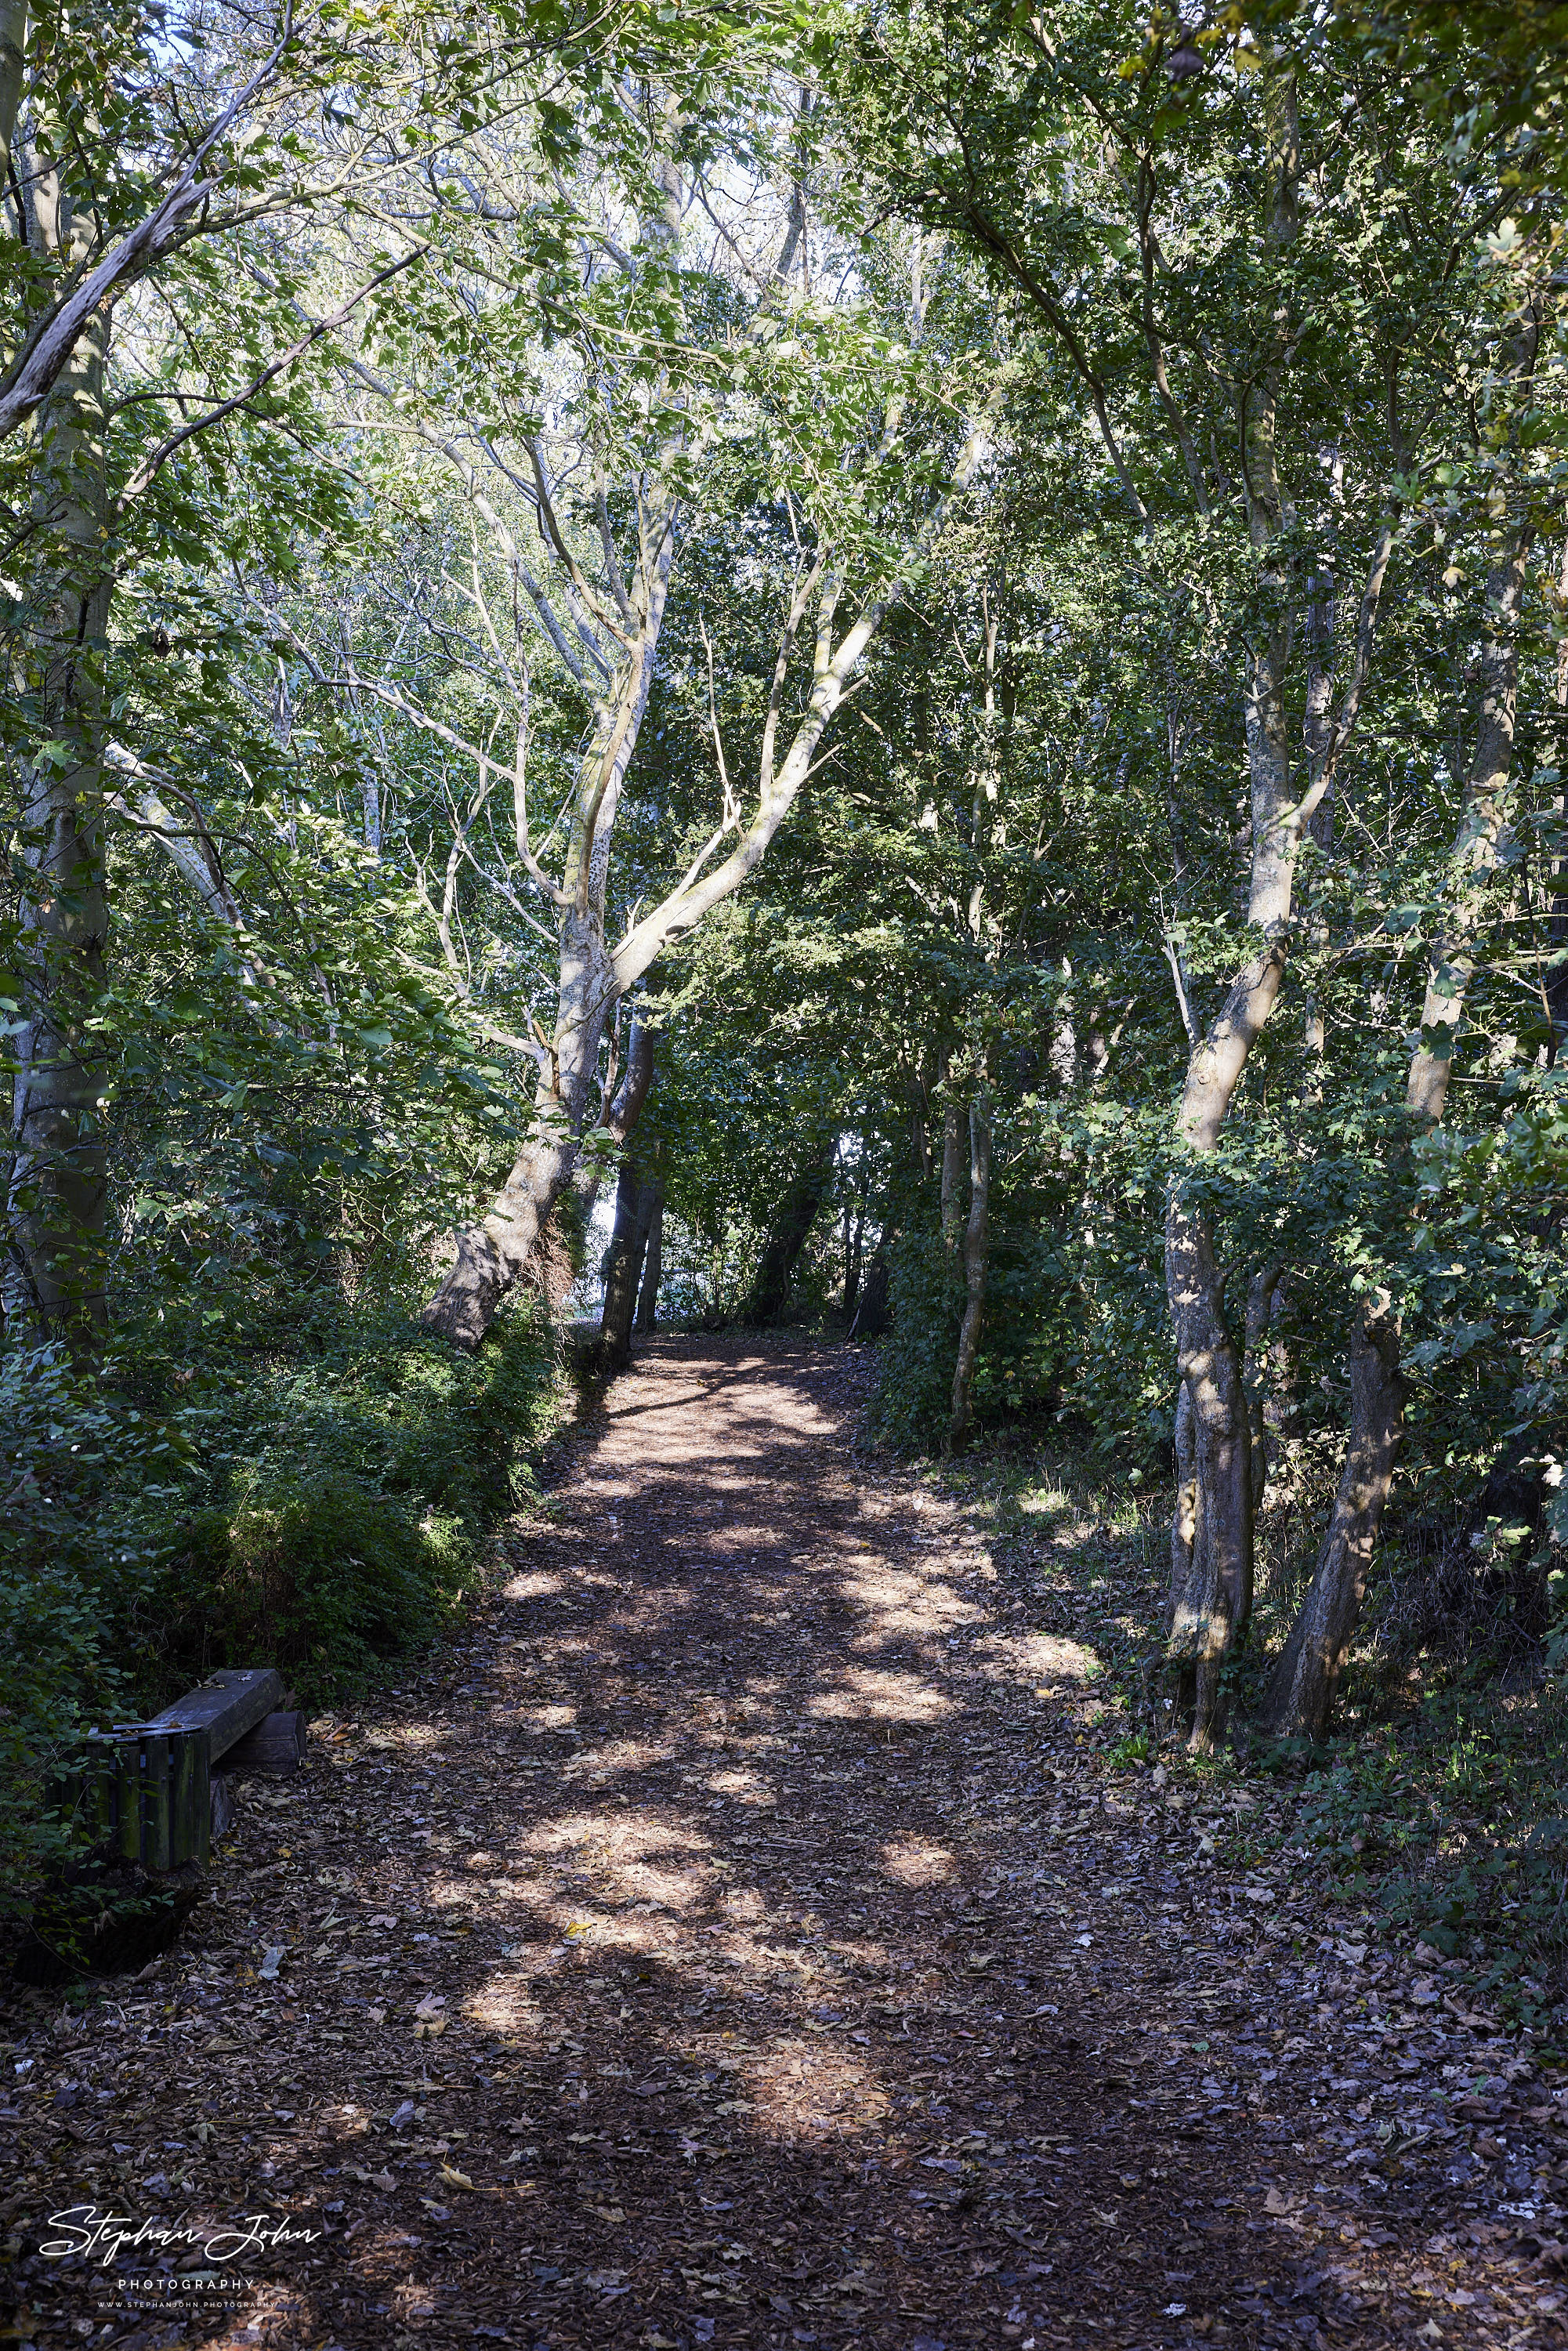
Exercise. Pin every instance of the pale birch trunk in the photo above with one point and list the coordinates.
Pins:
(58, 1193)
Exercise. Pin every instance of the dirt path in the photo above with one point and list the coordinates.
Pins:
(732, 1941)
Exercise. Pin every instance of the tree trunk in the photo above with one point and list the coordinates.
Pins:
(494, 1253)
(1557, 921)
(1303, 1687)
(621, 1118)
(871, 1316)
(1183, 1524)
(653, 1263)
(1210, 1615)
(1259, 1301)
(1481, 826)
(788, 1235)
(977, 1259)
(1301, 1690)
(634, 1204)
(952, 1164)
(1209, 1611)
(58, 1193)
(854, 1236)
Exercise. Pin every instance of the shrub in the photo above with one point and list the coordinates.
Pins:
(313, 1495)
(914, 1396)
(324, 1581)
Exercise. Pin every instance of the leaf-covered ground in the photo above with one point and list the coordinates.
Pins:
(735, 1938)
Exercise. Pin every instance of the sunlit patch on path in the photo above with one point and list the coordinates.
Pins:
(727, 1940)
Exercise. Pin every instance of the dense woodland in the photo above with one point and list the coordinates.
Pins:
(925, 647)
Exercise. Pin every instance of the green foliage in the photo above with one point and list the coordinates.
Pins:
(325, 1584)
(914, 1394)
(314, 1495)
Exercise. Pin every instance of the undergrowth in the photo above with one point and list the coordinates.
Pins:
(1437, 1812)
(315, 1497)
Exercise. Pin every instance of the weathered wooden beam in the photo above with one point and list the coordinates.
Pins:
(226, 1706)
(276, 1745)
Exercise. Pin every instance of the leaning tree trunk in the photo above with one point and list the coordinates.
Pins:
(653, 1263)
(785, 1239)
(977, 1254)
(556, 1258)
(493, 1254)
(1301, 1690)
(634, 1204)
(59, 1190)
(1477, 850)
(1209, 1613)
(1211, 1606)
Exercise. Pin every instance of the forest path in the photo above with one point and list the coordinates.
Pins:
(729, 1940)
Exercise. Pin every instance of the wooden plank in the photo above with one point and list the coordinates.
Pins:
(127, 1799)
(226, 1706)
(190, 1807)
(276, 1745)
(157, 1839)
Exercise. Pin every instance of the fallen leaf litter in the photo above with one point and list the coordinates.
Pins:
(732, 1939)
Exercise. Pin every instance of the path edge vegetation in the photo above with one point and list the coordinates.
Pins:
(350, 883)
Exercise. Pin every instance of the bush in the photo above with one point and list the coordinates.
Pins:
(325, 1582)
(76, 1563)
(316, 1498)
(914, 1396)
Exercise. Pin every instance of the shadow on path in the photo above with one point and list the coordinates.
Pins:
(726, 1943)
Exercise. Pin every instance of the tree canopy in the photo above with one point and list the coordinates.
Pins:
(982, 591)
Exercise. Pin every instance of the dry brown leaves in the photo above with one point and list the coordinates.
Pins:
(730, 1940)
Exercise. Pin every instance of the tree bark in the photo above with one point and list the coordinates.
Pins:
(1183, 1523)
(952, 1161)
(1210, 1618)
(634, 1204)
(653, 1265)
(1557, 919)
(1301, 1688)
(1209, 1611)
(854, 1235)
(493, 1254)
(786, 1238)
(977, 1264)
(871, 1315)
(1259, 1300)
(1481, 835)
(58, 1193)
